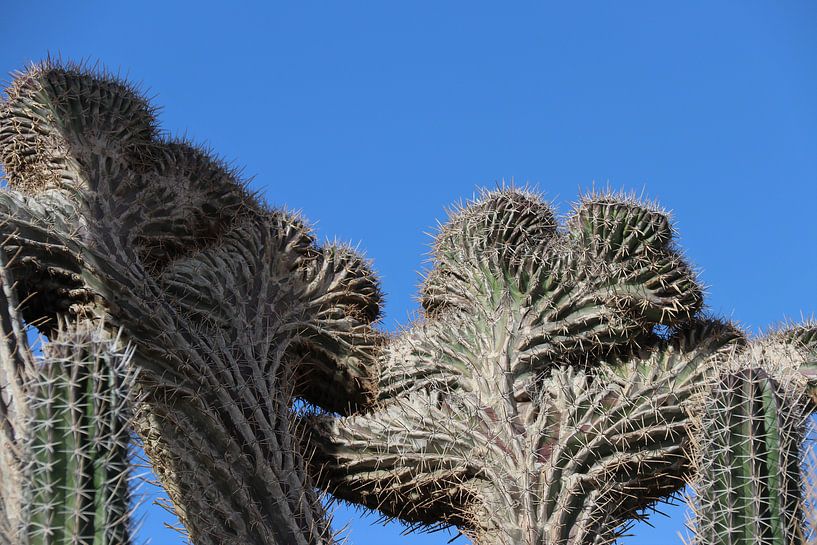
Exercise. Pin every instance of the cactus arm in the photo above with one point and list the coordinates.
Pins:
(626, 445)
(582, 292)
(809, 480)
(749, 482)
(533, 402)
(132, 207)
(748, 437)
(237, 420)
(15, 356)
(17, 365)
(65, 466)
(80, 441)
(599, 445)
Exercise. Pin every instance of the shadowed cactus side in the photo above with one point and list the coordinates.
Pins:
(66, 468)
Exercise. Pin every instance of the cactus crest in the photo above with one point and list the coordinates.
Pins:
(232, 307)
(534, 404)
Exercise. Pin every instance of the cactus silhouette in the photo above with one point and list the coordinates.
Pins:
(546, 396)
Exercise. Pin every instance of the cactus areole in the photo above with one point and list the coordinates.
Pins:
(545, 396)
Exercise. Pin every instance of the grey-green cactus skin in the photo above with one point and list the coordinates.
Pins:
(537, 400)
(82, 434)
(534, 404)
(232, 307)
(66, 468)
(749, 462)
(748, 446)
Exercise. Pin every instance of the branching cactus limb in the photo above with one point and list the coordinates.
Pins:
(593, 448)
(748, 442)
(535, 405)
(233, 308)
(67, 434)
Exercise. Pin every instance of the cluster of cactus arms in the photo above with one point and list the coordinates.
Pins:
(561, 380)
(537, 401)
(232, 309)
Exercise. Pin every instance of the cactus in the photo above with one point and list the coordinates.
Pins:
(537, 403)
(749, 475)
(747, 444)
(232, 307)
(534, 404)
(66, 446)
(547, 395)
(809, 474)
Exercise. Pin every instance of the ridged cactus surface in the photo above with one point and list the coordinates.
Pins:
(535, 404)
(809, 476)
(748, 446)
(536, 401)
(749, 474)
(66, 467)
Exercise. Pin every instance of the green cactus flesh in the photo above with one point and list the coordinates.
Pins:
(748, 484)
(79, 470)
(66, 467)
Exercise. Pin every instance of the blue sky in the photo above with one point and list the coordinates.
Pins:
(372, 117)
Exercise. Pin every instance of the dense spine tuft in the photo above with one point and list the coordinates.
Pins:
(55, 116)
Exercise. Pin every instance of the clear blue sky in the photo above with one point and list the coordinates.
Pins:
(372, 117)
